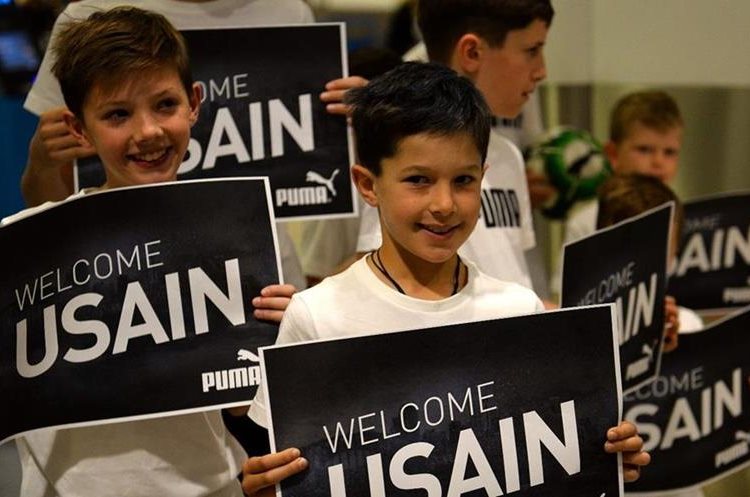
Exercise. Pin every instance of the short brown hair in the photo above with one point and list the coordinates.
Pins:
(623, 196)
(653, 109)
(444, 22)
(111, 44)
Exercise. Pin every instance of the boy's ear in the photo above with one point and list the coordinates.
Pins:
(194, 99)
(77, 129)
(364, 180)
(610, 152)
(467, 54)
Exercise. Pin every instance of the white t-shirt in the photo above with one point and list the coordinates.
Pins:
(190, 455)
(504, 230)
(582, 221)
(356, 302)
(45, 94)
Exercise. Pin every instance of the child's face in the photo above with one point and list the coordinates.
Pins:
(428, 195)
(509, 74)
(141, 128)
(648, 151)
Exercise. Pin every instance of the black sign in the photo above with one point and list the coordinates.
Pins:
(695, 418)
(513, 406)
(262, 116)
(625, 264)
(713, 269)
(133, 302)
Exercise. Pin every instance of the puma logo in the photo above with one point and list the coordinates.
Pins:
(313, 177)
(246, 355)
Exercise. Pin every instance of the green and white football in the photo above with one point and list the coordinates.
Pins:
(574, 163)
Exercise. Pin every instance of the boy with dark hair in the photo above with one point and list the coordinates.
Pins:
(497, 45)
(624, 196)
(125, 76)
(422, 133)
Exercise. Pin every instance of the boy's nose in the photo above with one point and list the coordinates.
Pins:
(147, 128)
(442, 201)
(540, 73)
(659, 160)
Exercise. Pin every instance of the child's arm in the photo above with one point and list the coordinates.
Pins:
(260, 474)
(335, 91)
(49, 169)
(624, 438)
(671, 324)
(272, 302)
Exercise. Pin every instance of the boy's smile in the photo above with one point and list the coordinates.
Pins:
(141, 129)
(428, 196)
(648, 151)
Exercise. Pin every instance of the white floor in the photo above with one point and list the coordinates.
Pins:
(10, 470)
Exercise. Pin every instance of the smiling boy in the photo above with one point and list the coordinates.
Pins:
(126, 80)
(421, 133)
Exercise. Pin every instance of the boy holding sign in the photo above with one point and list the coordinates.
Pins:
(125, 77)
(421, 133)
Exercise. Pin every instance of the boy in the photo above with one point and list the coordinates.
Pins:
(421, 133)
(126, 80)
(645, 137)
(497, 44)
(626, 195)
(52, 150)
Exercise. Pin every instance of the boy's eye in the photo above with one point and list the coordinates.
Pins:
(417, 179)
(465, 179)
(167, 103)
(116, 115)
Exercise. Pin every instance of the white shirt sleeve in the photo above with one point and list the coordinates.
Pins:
(369, 238)
(296, 326)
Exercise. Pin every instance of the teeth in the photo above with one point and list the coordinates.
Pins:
(150, 157)
(438, 230)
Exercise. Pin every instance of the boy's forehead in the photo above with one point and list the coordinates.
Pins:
(638, 129)
(125, 84)
(534, 32)
(457, 142)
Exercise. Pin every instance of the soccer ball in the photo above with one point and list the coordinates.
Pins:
(573, 162)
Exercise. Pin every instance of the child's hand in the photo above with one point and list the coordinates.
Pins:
(335, 91)
(260, 474)
(272, 302)
(624, 438)
(53, 144)
(49, 168)
(671, 324)
(540, 188)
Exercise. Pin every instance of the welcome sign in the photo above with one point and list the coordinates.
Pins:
(625, 264)
(695, 418)
(513, 406)
(138, 305)
(712, 271)
(261, 116)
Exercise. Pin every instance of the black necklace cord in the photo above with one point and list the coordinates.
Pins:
(378, 263)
